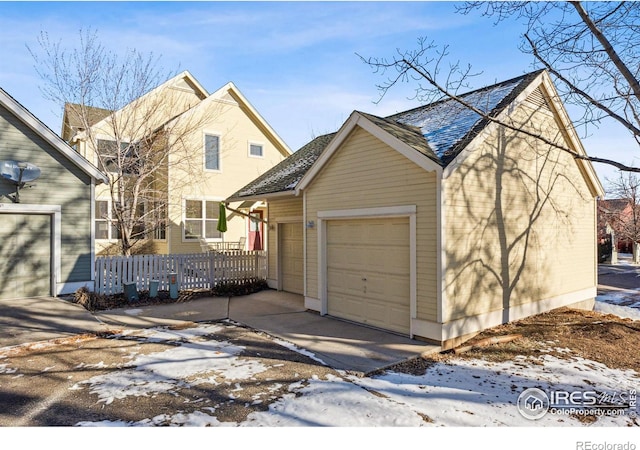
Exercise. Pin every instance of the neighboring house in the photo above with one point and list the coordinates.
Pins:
(229, 144)
(46, 239)
(434, 222)
(616, 215)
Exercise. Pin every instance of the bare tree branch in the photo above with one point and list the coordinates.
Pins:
(622, 120)
(608, 48)
(590, 50)
(126, 126)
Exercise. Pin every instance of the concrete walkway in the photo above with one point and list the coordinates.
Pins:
(341, 345)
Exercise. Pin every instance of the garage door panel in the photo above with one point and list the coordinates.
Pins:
(25, 255)
(368, 271)
(346, 282)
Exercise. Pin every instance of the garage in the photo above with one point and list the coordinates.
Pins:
(291, 257)
(25, 255)
(368, 272)
(46, 232)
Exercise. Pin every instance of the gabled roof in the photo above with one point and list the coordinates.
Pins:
(284, 177)
(613, 205)
(449, 126)
(72, 119)
(433, 136)
(182, 81)
(407, 133)
(436, 132)
(45, 133)
(230, 92)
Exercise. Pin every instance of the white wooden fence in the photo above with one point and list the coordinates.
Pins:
(197, 270)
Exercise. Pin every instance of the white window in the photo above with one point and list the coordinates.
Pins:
(256, 150)
(211, 152)
(105, 225)
(201, 219)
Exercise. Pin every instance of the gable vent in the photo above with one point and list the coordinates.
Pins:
(538, 100)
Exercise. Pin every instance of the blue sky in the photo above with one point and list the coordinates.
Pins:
(296, 62)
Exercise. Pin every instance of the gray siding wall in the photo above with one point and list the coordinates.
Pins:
(61, 183)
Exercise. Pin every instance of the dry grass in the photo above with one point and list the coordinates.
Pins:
(603, 338)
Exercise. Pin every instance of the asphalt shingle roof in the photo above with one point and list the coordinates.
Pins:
(449, 126)
(439, 131)
(286, 175)
(73, 118)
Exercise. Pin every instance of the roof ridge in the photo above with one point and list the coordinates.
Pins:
(519, 78)
(412, 132)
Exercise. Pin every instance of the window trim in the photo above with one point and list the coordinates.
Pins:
(203, 220)
(109, 220)
(204, 152)
(110, 223)
(97, 152)
(262, 146)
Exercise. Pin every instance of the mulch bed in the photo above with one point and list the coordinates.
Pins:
(604, 338)
(96, 302)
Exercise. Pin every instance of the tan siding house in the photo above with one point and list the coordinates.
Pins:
(227, 143)
(436, 223)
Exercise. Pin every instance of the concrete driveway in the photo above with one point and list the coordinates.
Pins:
(27, 320)
(341, 345)
(616, 277)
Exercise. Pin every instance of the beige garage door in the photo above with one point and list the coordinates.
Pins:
(368, 272)
(291, 257)
(25, 255)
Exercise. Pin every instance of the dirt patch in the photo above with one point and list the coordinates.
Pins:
(563, 333)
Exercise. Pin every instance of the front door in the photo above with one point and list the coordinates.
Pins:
(256, 231)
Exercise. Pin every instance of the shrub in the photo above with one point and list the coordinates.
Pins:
(97, 302)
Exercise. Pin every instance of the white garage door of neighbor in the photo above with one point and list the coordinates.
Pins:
(25, 255)
(291, 257)
(368, 272)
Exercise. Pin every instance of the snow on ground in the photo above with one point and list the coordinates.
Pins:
(168, 370)
(459, 393)
(623, 304)
(463, 393)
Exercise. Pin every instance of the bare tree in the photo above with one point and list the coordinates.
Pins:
(136, 136)
(590, 50)
(623, 211)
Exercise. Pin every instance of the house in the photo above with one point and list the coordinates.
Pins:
(217, 143)
(436, 223)
(615, 216)
(46, 235)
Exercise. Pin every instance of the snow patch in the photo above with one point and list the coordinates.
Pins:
(163, 371)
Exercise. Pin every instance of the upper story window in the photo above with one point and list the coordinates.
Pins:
(211, 152)
(109, 156)
(256, 150)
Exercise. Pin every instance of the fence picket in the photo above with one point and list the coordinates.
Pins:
(197, 270)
